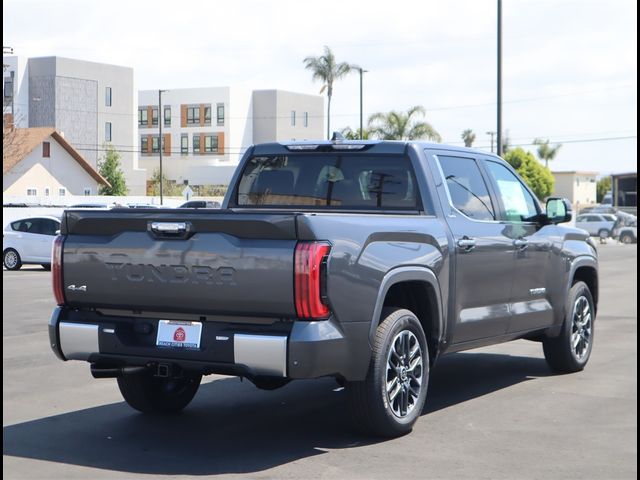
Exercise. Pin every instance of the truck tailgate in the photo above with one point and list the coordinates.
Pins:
(147, 261)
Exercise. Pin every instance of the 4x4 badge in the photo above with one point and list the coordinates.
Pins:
(80, 288)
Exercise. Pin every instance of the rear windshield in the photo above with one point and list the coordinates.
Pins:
(329, 181)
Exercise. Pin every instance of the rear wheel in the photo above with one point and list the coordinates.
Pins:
(11, 259)
(570, 351)
(390, 399)
(150, 394)
(626, 238)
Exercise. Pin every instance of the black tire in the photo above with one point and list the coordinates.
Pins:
(626, 238)
(11, 259)
(372, 408)
(150, 394)
(270, 383)
(559, 351)
(603, 233)
(46, 266)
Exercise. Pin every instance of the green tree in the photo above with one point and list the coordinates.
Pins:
(602, 187)
(402, 126)
(355, 135)
(169, 188)
(109, 168)
(545, 151)
(538, 177)
(469, 137)
(327, 70)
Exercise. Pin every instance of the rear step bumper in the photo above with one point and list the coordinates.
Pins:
(298, 349)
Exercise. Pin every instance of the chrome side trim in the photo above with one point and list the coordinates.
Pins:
(78, 340)
(262, 354)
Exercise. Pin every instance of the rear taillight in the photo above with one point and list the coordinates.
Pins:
(310, 265)
(56, 270)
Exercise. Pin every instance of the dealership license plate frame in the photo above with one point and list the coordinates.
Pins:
(169, 336)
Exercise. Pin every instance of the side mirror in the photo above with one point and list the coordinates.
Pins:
(558, 210)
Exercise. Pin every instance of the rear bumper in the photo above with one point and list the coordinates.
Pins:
(295, 349)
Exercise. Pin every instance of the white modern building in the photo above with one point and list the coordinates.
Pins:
(578, 187)
(91, 104)
(205, 131)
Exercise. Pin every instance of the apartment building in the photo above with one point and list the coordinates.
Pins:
(205, 131)
(91, 104)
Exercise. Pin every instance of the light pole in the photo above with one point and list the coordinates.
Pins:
(499, 112)
(361, 127)
(160, 138)
(491, 134)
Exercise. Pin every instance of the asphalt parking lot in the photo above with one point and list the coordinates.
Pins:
(494, 413)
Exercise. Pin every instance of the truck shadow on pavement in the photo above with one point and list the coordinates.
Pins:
(232, 427)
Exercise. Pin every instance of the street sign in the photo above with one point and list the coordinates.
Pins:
(187, 192)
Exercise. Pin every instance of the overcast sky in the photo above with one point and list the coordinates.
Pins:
(569, 66)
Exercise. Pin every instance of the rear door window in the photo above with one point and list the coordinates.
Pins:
(467, 190)
(329, 181)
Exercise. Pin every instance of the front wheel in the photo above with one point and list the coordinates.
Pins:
(570, 351)
(390, 399)
(604, 234)
(149, 394)
(11, 259)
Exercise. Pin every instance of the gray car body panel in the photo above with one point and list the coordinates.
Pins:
(482, 296)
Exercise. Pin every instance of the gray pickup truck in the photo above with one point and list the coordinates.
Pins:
(362, 261)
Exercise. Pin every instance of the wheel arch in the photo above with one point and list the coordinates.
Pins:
(417, 289)
(586, 270)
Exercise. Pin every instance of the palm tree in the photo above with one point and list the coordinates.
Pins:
(545, 151)
(401, 126)
(469, 137)
(325, 69)
(350, 134)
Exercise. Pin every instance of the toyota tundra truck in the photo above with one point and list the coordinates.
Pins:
(364, 261)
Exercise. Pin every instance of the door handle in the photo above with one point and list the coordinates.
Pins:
(520, 243)
(467, 244)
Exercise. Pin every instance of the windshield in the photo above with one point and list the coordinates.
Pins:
(338, 181)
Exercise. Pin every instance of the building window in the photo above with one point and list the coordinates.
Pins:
(62, 192)
(207, 115)
(32, 192)
(107, 96)
(47, 191)
(305, 119)
(155, 145)
(193, 115)
(293, 118)
(210, 143)
(220, 114)
(167, 116)
(107, 131)
(154, 116)
(144, 145)
(87, 191)
(46, 149)
(184, 144)
(8, 88)
(196, 143)
(143, 117)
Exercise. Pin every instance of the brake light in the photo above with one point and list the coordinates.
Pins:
(308, 277)
(56, 270)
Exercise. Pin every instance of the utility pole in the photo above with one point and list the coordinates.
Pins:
(361, 127)
(160, 138)
(492, 134)
(499, 112)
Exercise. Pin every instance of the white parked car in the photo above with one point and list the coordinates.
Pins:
(29, 240)
(597, 224)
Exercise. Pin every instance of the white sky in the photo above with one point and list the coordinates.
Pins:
(569, 66)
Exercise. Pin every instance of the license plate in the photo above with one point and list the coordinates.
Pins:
(175, 334)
